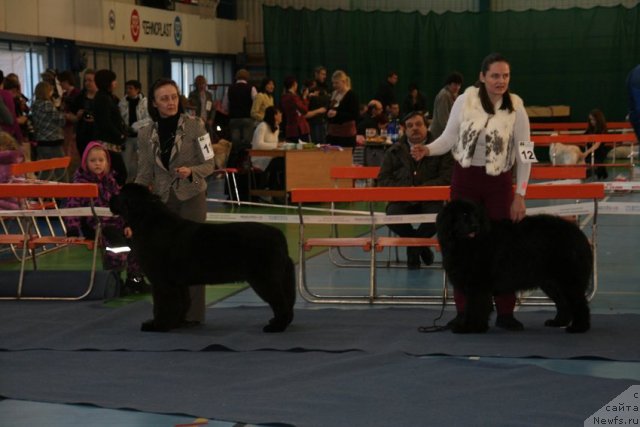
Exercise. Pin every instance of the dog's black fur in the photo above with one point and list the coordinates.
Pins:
(175, 253)
(484, 258)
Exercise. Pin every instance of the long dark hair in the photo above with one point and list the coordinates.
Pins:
(153, 110)
(263, 85)
(270, 117)
(487, 105)
(103, 79)
(601, 122)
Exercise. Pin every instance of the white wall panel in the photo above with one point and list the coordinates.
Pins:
(3, 17)
(56, 18)
(109, 22)
(89, 21)
(21, 16)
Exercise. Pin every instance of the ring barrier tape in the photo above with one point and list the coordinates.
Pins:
(356, 217)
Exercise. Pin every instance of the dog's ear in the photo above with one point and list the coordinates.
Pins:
(115, 205)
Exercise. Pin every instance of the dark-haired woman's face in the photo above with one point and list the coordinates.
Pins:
(166, 100)
(496, 79)
(278, 117)
(270, 86)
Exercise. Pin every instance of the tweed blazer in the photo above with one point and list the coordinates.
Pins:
(186, 151)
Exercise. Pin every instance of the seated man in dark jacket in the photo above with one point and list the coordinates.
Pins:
(404, 165)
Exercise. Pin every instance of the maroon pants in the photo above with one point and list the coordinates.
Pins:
(495, 193)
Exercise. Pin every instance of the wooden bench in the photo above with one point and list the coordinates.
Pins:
(583, 139)
(29, 241)
(372, 241)
(39, 203)
(369, 195)
(354, 173)
(558, 172)
(576, 126)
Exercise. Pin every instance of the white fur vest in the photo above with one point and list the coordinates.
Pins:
(500, 152)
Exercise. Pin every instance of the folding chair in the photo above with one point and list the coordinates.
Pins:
(30, 242)
(222, 149)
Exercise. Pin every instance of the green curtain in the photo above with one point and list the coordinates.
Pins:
(575, 57)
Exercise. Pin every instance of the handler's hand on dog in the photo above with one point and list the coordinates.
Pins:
(183, 172)
(518, 208)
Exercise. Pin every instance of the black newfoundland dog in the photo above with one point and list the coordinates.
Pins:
(175, 253)
(483, 258)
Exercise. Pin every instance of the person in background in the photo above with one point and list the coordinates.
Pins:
(202, 99)
(23, 112)
(318, 100)
(48, 122)
(134, 113)
(51, 76)
(483, 132)
(10, 122)
(83, 109)
(400, 168)
(69, 93)
(265, 137)
(414, 101)
(597, 124)
(320, 77)
(633, 94)
(394, 128)
(295, 112)
(238, 102)
(344, 110)
(108, 127)
(175, 158)
(372, 118)
(95, 169)
(443, 103)
(387, 90)
(10, 153)
(263, 99)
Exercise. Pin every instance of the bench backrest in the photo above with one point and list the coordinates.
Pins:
(558, 172)
(48, 190)
(435, 193)
(560, 126)
(40, 165)
(541, 140)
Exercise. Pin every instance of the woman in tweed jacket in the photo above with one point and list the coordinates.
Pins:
(174, 159)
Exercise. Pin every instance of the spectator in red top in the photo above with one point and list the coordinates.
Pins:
(296, 111)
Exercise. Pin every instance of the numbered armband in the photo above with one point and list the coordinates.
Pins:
(526, 153)
(205, 146)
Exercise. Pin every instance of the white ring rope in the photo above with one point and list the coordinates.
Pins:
(352, 217)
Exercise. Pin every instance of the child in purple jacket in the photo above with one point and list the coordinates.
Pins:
(95, 168)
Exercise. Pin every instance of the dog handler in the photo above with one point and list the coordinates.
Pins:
(487, 132)
(174, 159)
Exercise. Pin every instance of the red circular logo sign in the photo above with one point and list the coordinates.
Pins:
(135, 25)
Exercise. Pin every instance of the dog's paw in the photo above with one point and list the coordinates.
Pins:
(554, 323)
(577, 328)
(151, 326)
(275, 325)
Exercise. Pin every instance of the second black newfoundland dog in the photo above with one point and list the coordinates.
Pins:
(175, 253)
(483, 258)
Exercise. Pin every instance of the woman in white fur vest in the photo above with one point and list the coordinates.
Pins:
(486, 125)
